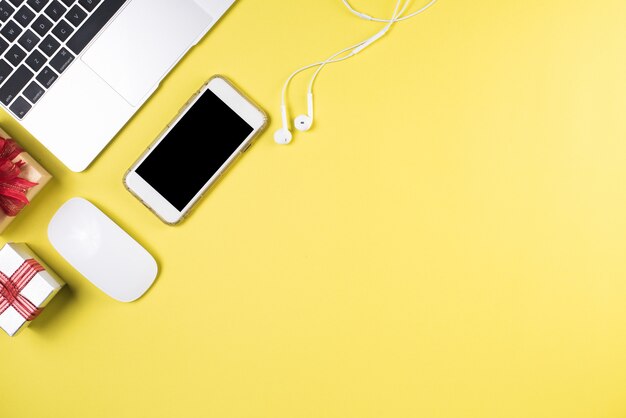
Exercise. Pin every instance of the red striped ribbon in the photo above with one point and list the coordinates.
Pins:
(11, 288)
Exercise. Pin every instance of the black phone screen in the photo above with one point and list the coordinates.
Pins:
(194, 150)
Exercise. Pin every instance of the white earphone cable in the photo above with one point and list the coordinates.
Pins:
(374, 19)
(286, 122)
(329, 60)
(306, 67)
(390, 23)
(353, 49)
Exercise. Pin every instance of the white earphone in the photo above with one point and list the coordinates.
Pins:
(305, 122)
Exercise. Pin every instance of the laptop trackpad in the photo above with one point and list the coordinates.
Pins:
(139, 47)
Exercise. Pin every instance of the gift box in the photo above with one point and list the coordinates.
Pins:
(26, 287)
(21, 179)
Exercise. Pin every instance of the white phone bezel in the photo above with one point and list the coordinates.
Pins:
(235, 100)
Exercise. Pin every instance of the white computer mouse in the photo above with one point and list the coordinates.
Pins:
(102, 251)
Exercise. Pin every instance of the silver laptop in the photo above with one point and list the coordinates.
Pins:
(73, 72)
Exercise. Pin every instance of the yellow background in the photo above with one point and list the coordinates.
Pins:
(449, 241)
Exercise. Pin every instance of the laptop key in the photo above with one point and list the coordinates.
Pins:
(11, 31)
(20, 107)
(42, 25)
(15, 84)
(6, 10)
(55, 10)
(89, 5)
(28, 40)
(17, 3)
(62, 30)
(4, 45)
(93, 25)
(61, 60)
(46, 77)
(76, 15)
(33, 92)
(36, 60)
(5, 70)
(37, 5)
(24, 16)
(49, 45)
(15, 55)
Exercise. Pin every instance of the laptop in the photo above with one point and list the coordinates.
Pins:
(73, 72)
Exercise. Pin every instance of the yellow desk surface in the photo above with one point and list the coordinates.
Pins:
(449, 241)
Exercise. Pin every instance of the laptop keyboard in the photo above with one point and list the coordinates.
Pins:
(39, 39)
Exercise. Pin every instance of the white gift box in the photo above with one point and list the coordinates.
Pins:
(26, 287)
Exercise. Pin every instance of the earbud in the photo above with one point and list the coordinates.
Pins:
(304, 122)
(283, 136)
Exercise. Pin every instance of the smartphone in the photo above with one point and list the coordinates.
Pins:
(215, 127)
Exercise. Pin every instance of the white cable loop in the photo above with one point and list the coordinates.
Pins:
(353, 49)
(374, 19)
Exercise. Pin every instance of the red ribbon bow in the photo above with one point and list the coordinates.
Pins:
(12, 187)
(11, 288)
